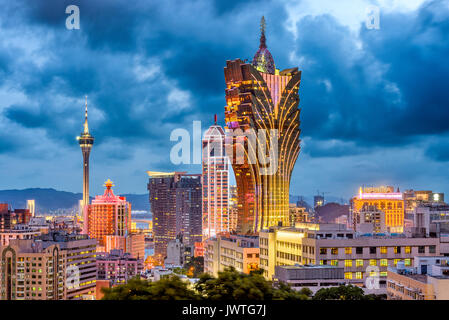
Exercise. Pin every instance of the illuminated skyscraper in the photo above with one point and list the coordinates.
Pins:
(31, 205)
(175, 199)
(215, 183)
(264, 99)
(108, 215)
(86, 142)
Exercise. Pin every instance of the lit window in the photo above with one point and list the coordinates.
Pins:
(334, 251)
(407, 262)
(348, 275)
(334, 262)
(348, 250)
(383, 274)
(383, 262)
(383, 250)
(358, 275)
(408, 249)
(348, 263)
(396, 261)
(359, 263)
(373, 262)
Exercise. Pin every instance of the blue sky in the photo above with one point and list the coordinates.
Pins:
(374, 102)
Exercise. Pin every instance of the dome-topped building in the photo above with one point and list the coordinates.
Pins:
(264, 99)
(263, 60)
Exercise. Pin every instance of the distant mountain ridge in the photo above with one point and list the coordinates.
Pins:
(50, 200)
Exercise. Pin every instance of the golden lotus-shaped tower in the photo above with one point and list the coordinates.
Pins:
(264, 99)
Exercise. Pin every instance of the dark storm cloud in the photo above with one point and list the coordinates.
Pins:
(152, 66)
(100, 60)
(385, 91)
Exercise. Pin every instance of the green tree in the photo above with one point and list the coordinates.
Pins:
(233, 285)
(169, 288)
(195, 267)
(343, 292)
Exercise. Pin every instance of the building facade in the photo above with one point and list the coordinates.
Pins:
(118, 267)
(333, 244)
(383, 199)
(176, 204)
(19, 232)
(262, 101)
(189, 213)
(133, 243)
(215, 181)
(238, 251)
(80, 253)
(108, 214)
(30, 271)
(310, 276)
(10, 218)
(427, 280)
(297, 214)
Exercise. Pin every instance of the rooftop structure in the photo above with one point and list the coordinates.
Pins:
(428, 279)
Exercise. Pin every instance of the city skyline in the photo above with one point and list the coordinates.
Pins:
(363, 123)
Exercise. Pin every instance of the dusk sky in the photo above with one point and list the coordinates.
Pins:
(374, 102)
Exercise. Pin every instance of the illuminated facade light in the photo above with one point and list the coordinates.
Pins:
(260, 97)
(215, 183)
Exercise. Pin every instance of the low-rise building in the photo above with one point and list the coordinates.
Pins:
(428, 279)
(431, 219)
(361, 256)
(118, 266)
(238, 251)
(175, 253)
(133, 243)
(18, 232)
(297, 214)
(310, 276)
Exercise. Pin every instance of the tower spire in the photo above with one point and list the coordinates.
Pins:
(86, 126)
(263, 43)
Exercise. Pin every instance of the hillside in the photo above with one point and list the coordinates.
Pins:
(48, 200)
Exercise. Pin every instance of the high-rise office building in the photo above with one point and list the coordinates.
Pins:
(31, 206)
(189, 214)
(108, 215)
(215, 183)
(118, 266)
(86, 142)
(264, 99)
(175, 199)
